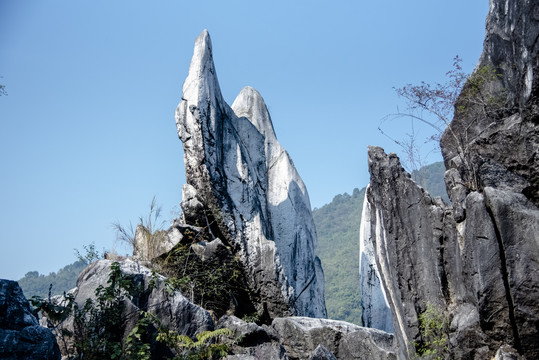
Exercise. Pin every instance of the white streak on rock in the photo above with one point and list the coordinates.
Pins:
(375, 311)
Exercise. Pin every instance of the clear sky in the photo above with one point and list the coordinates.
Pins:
(87, 132)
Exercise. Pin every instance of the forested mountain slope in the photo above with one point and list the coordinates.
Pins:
(34, 283)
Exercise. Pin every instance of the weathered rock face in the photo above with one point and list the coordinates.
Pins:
(173, 310)
(496, 138)
(148, 246)
(21, 337)
(477, 261)
(302, 336)
(375, 311)
(251, 341)
(407, 228)
(305, 338)
(243, 188)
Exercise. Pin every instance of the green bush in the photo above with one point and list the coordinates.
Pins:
(208, 345)
(214, 284)
(433, 327)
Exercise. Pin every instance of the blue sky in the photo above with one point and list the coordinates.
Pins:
(87, 130)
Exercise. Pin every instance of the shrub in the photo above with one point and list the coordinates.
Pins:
(433, 326)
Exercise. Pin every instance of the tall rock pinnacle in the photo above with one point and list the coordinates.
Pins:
(247, 191)
(474, 264)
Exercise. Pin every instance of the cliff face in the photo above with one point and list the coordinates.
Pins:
(243, 187)
(476, 262)
(375, 311)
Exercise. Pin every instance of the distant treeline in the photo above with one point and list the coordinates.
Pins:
(34, 283)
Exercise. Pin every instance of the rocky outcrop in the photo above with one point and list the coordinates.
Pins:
(407, 225)
(475, 264)
(21, 337)
(305, 338)
(302, 336)
(172, 309)
(494, 137)
(251, 341)
(148, 246)
(242, 187)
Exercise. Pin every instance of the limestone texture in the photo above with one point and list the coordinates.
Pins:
(375, 311)
(251, 341)
(173, 310)
(476, 261)
(302, 336)
(21, 336)
(243, 188)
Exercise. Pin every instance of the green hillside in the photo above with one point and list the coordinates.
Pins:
(337, 226)
(65, 279)
(431, 177)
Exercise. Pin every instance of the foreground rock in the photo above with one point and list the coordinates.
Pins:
(285, 338)
(302, 336)
(251, 341)
(306, 338)
(242, 187)
(172, 309)
(21, 337)
(473, 266)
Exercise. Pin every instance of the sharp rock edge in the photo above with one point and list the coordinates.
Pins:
(247, 184)
(476, 261)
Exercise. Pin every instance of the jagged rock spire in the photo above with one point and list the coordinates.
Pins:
(247, 191)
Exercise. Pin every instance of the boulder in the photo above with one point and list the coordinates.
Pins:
(251, 341)
(321, 353)
(301, 336)
(21, 337)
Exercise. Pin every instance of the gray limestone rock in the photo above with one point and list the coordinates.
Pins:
(321, 353)
(375, 311)
(251, 341)
(504, 131)
(173, 310)
(408, 230)
(506, 352)
(244, 189)
(301, 336)
(21, 337)
(477, 261)
(482, 272)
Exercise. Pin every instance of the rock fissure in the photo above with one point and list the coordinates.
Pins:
(506, 284)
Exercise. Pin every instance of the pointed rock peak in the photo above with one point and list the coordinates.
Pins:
(202, 55)
(251, 105)
(202, 69)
